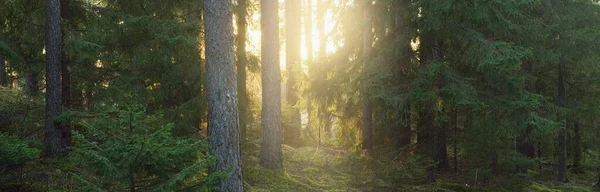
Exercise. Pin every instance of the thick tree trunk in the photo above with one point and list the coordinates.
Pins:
(293, 35)
(65, 128)
(367, 119)
(270, 151)
(3, 75)
(223, 127)
(241, 65)
(562, 132)
(53, 142)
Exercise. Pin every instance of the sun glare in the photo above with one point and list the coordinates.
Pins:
(254, 35)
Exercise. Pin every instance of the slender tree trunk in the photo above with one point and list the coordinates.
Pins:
(309, 61)
(53, 144)
(367, 120)
(293, 35)
(577, 147)
(404, 51)
(241, 65)
(3, 75)
(32, 87)
(270, 151)
(562, 132)
(525, 142)
(223, 127)
(66, 76)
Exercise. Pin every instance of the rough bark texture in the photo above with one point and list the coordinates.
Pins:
(270, 151)
(53, 145)
(293, 59)
(241, 65)
(3, 75)
(65, 129)
(562, 132)
(367, 119)
(223, 130)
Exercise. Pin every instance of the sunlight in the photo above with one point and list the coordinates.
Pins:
(254, 35)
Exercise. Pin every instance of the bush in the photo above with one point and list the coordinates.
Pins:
(125, 148)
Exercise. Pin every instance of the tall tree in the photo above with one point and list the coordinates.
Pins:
(3, 75)
(562, 132)
(65, 128)
(367, 111)
(242, 23)
(367, 119)
(270, 150)
(293, 37)
(223, 127)
(53, 144)
(308, 30)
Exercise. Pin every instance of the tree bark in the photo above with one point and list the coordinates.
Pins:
(65, 129)
(293, 35)
(52, 140)
(562, 132)
(367, 119)
(223, 127)
(3, 75)
(241, 65)
(270, 151)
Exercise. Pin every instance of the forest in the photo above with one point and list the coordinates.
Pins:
(300, 95)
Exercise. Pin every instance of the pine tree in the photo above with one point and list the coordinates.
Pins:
(270, 149)
(53, 142)
(223, 127)
(242, 12)
(293, 57)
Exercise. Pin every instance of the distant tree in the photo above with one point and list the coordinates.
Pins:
(293, 59)
(270, 150)
(242, 60)
(562, 132)
(223, 127)
(367, 110)
(3, 76)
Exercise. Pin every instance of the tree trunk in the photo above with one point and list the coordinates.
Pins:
(367, 119)
(404, 51)
(270, 151)
(525, 142)
(310, 60)
(577, 147)
(562, 132)
(223, 130)
(52, 140)
(3, 75)
(241, 65)
(293, 35)
(65, 129)
(32, 87)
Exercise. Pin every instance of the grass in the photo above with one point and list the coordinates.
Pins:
(327, 169)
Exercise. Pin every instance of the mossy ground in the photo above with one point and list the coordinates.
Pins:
(328, 169)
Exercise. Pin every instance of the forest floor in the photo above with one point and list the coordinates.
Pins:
(329, 169)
